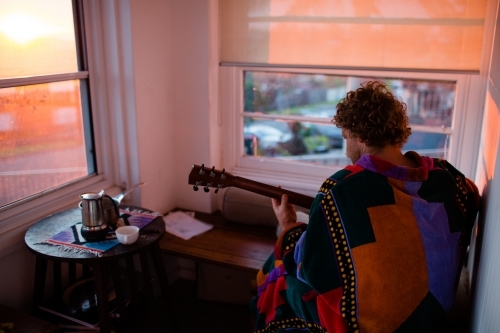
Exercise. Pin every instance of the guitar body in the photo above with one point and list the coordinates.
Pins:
(211, 177)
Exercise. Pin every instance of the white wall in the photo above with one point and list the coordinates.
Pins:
(17, 271)
(486, 282)
(195, 56)
(154, 101)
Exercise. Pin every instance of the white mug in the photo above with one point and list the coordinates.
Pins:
(127, 234)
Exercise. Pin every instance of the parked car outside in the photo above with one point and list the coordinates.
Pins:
(332, 132)
(268, 138)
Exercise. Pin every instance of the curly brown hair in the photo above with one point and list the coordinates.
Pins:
(375, 115)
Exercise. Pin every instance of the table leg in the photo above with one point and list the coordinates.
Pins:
(163, 280)
(101, 288)
(134, 286)
(147, 277)
(120, 294)
(85, 270)
(71, 272)
(39, 283)
(57, 276)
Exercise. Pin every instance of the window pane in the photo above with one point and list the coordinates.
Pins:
(271, 99)
(429, 144)
(41, 131)
(429, 103)
(292, 140)
(293, 94)
(36, 38)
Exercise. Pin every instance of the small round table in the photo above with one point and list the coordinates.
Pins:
(99, 265)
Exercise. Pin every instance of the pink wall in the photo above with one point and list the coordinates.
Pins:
(195, 103)
(154, 101)
(487, 268)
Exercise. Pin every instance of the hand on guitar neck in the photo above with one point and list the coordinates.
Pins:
(213, 178)
(285, 212)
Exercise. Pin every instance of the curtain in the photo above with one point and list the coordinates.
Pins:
(383, 34)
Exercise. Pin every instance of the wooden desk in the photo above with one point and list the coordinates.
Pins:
(98, 266)
(229, 244)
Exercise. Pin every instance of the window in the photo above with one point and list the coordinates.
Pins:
(44, 101)
(284, 64)
(287, 115)
(68, 111)
(266, 105)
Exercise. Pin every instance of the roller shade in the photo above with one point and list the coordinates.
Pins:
(403, 34)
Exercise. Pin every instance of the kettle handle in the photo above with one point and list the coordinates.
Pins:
(122, 195)
(115, 206)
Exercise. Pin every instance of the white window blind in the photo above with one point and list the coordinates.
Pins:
(383, 34)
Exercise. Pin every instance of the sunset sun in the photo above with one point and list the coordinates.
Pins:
(23, 28)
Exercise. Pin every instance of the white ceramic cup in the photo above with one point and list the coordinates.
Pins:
(127, 234)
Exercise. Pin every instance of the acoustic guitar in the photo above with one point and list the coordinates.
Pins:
(213, 178)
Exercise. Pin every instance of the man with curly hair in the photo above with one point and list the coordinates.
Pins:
(374, 122)
(386, 237)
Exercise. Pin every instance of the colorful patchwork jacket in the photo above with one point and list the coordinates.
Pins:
(382, 252)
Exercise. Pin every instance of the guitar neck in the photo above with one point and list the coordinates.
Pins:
(295, 198)
(203, 176)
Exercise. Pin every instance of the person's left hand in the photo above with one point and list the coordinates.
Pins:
(284, 211)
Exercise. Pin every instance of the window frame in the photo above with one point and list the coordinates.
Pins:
(306, 178)
(107, 36)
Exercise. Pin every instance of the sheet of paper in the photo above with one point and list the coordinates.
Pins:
(184, 225)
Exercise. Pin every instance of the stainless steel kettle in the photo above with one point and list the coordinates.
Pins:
(110, 210)
(100, 211)
(94, 225)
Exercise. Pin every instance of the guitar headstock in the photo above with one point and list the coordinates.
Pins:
(209, 177)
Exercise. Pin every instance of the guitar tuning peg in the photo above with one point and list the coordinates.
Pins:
(222, 175)
(218, 187)
(201, 169)
(206, 189)
(195, 186)
(212, 173)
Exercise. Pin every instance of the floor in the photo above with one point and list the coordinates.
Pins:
(201, 316)
(195, 315)
(211, 317)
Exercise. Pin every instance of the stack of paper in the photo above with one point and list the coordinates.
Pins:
(183, 225)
